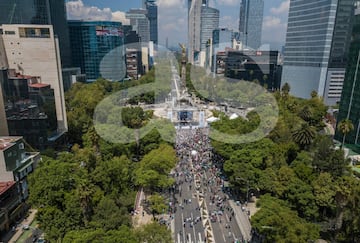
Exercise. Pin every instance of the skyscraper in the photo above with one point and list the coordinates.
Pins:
(209, 22)
(96, 48)
(350, 98)
(47, 12)
(250, 22)
(140, 23)
(194, 25)
(202, 20)
(316, 46)
(152, 15)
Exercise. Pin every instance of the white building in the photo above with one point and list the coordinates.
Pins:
(33, 50)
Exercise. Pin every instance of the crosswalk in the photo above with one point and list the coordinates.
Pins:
(188, 239)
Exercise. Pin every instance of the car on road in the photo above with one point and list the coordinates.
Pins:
(25, 227)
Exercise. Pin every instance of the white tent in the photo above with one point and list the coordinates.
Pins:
(212, 119)
(233, 116)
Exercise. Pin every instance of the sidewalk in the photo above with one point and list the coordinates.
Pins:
(140, 217)
(26, 221)
(242, 220)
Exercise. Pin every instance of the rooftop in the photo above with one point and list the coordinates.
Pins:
(6, 185)
(38, 85)
(6, 142)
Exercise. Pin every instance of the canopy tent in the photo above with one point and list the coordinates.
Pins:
(212, 119)
(233, 116)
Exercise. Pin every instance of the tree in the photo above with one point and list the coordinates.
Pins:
(306, 113)
(153, 170)
(109, 216)
(123, 235)
(157, 203)
(285, 89)
(304, 135)
(345, 127)
(313, 94)
(154, 233)
(278, 223)
(324, 192)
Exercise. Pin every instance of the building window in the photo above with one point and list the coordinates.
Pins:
(21, 146)
(8, 32)
(34, 32)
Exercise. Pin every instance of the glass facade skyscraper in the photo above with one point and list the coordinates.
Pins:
(40, 12)
(194, 24)
(97, 48)
(316, 40)
(140, 23)
(152, 14)
(209, 22)
(250, 22)
(350, 98)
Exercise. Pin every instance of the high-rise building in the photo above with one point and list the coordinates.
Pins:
(47, 12)
(350, 98)
(202, 20)
(250, 22)
(33, 50)
(339, 51)
(209, 22)
(97, 48)
(152, 15)
(194, 25)
(316, 47)
(222, 38)
(140, 23)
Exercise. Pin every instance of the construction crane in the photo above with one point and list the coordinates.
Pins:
(11, 14)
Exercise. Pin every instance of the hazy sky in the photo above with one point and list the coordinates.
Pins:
(173, 16)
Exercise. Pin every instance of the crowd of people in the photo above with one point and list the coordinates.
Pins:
(196, 163)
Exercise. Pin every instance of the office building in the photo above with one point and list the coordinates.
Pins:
(9, 201)
(350, 99)
(222, 38)
(253, 65)
(133, 63)
(15, 165)
(29, 107)
(339, 51)
(209, 22)
(41, 12)
(152, 15)
(250, 22)
(97, 48)
(140, 23)
(33, 50)
(194, 29)
(316, 47)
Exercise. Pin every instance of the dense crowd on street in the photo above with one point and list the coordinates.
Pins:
(196, 163)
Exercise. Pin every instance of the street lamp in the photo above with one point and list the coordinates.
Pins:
(247, 187)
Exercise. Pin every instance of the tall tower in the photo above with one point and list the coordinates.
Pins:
(316, 45)
(209, 22)
(140, 23)
(194, 25)
(350, 99)
(152, 15)
(250, 22)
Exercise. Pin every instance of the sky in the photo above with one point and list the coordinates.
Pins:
(172, 16)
